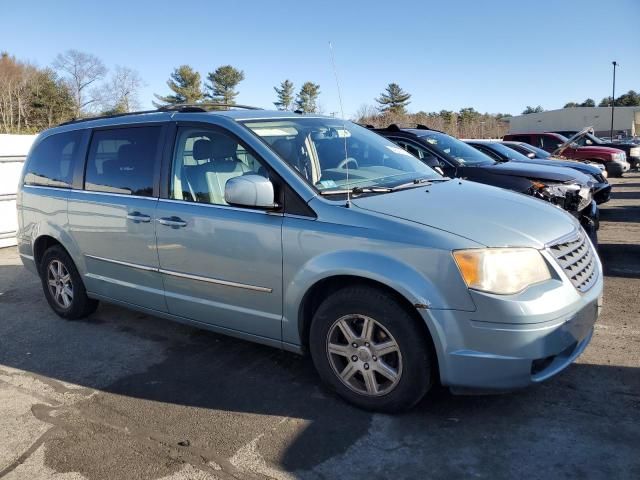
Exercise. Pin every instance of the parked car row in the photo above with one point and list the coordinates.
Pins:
(569, 189)
(583, 146)
(314, 234)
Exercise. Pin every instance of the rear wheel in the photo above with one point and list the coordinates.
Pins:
(370, 350)
(63, 286)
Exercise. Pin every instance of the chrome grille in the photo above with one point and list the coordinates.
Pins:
(577, 259)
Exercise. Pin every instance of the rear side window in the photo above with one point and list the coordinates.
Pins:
(52, 160)
(520, 138)
(123, 160)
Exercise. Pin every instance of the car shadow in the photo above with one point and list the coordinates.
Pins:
(164, 367)
(619, 194)
(622, 213)
(620, 260)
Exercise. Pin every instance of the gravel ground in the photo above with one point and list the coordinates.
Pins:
(123, 395)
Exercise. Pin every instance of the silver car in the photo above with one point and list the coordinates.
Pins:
(309, 233)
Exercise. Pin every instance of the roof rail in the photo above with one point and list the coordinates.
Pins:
(177, 107)
(98, 117)
(203, 107)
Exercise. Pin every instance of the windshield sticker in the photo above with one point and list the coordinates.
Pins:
(398, 150)
(327, 184)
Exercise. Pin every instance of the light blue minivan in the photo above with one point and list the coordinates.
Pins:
(313, 234)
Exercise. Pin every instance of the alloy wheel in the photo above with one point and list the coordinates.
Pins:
(364, 355)
(60, 284)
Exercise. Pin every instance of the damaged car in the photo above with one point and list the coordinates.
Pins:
(565, 188)
(504, 153)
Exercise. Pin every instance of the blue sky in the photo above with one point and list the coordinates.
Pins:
(496, 56)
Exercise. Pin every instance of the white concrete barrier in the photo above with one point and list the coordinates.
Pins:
(13, 150)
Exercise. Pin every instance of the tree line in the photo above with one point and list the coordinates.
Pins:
(76, 84)
(221, 85)
(629, 99)
(466, 123)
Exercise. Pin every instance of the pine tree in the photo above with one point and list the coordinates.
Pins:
(307, 97)
(186, 85)
(224, 80)
(285, 95)
(393, 99)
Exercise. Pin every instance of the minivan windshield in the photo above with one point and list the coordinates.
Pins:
(465, 154)
(333, 155)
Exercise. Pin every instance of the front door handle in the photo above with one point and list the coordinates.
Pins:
(173, 222)
(138, 217)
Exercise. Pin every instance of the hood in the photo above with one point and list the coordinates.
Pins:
(600, 150)
(541, 172)
(488, 215)
(581, 167)
(586, 149)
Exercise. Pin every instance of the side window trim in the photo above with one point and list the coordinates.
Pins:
(79, 169)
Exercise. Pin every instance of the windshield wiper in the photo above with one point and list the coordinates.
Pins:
(419, 181)
(358, 190)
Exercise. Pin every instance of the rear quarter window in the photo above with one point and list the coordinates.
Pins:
(52, 161)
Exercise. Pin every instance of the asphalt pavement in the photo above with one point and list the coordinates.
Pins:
(123, 395)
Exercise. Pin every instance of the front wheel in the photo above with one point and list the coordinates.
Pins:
(369, 349)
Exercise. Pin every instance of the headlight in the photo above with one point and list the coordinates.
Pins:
(634, 152)
(621, 157)
(501, 270)
(570, 196)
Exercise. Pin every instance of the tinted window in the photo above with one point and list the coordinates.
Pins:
(52, 160)
(463, 153)
(204, 161)
(417, 151)
(123, 160)
(551, 142)
(520, 138)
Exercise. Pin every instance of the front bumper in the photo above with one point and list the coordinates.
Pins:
(514, 341)
(615, 168)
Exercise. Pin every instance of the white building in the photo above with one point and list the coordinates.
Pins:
(626, 119)
(13, 150)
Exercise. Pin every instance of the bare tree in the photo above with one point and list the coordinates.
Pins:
(121, 93)
(81, 71)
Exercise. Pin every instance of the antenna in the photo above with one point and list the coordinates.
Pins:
(344, 125)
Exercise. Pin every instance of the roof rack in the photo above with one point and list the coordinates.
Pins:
(178, 107)
(396, 128)
(203, 107)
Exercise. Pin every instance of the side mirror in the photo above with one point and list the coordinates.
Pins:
(250, 191)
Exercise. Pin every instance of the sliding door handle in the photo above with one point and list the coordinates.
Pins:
(174, 222)
(138, 217)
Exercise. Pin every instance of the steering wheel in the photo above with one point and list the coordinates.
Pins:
(347, 161)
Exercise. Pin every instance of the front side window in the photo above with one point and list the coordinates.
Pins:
(52, 160)
(204, 161)
(551, 143)
(333, 155)
(123, 160)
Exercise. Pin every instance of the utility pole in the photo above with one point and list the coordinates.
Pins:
(613, 97)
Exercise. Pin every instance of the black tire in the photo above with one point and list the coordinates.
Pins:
(416, 370)
(80, 305)
(613, 171)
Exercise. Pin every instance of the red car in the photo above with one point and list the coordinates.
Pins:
(614, 160)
